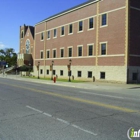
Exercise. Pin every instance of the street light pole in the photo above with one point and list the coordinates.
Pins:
(52, 70)
(69, 69)
(38, 69)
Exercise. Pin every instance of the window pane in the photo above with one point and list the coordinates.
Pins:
(103, 49)
(90, 23)
(48, 34)
(102, 75)
(79, 51)
(89, 74)
(62, 30)
(104, 16)
(79, 73)
(70, 52)
(62, 52)
(70, 28)
(54, 53)
(48, 54)
(90, 51)
(80, 25)
(55, 32)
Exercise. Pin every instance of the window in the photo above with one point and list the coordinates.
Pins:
(55, 33)
(89, 74)
(48, 34)
(102, 75)
(61, 72)
(41, 71)
(54, 53)
(41, 54)
(104, 20)
(135, 76)
(80, 25)
(70, 29)
(80, 51)
(70, 52)
(62, 52)
(42, 36)
(103, 49)
(90, 50)
(69, 73)
(79, 73)
(48, 54)
(21, 34)
(47, 72)
(91, 23)
(53, 72)
(62, 30)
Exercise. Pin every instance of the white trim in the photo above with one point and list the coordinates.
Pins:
(69, 11)
(115, 55)
(78, 46)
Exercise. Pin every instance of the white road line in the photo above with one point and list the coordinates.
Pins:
(49, 115)
(61, 120)
(34, 109)
(75, 126)
(104, 95)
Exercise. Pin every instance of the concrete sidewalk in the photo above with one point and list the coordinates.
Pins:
(84, 85)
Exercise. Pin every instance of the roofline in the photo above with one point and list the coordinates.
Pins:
(69, 10)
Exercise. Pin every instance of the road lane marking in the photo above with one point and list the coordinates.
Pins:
(110, 96)
(91, 102)
(34, 109)
(61, 120)
(84, 130)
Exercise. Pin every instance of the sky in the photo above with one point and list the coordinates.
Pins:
(16, 13)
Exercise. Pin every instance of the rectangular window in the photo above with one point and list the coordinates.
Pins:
(70, 52)
(48, 34)
(62, 30)
(55, 33)
(70, 29)
(103, 49)
(90, 50)
(53, 72)
(90, 23)
(42, 36)
(102, 75)
(89, 74)
(80, 25)
(69, 73)
(80, 51)
(41, 55)
(41, 71)
(79, 74)
(61, 72)
(62, 52)
(54, 53)
(47, 72)
(48, 54)
(104, 20)
(135, 76)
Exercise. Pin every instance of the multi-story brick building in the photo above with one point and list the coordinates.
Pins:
(99, 38)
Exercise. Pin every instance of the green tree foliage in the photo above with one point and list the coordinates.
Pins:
(9, 56)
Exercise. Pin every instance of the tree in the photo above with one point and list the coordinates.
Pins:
(9, 56)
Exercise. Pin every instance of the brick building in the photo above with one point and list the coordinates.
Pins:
(99, 38)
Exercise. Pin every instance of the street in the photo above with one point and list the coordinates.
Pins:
(36, 111)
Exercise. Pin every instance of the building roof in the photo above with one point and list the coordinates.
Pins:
(89, 2)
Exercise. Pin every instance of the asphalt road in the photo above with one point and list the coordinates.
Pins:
(34, 111)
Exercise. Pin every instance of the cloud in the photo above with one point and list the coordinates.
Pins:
(2, 46)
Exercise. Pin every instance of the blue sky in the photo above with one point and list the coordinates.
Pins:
(15, 13)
